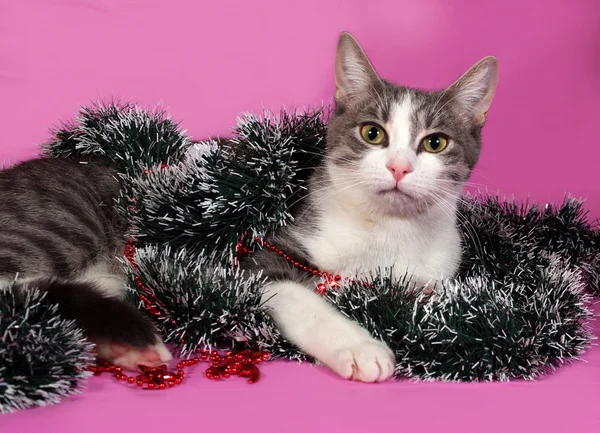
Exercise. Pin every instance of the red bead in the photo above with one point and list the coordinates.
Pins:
(178, 381)
(273, 247)
(151, 385)
(130, 379)
(171, 383)
(337, 278)
(288, 258)
(305, 268)
(162, 386)
(321, 288)
(280, 252)
(140, 383)
(204, 357)
(123, 377)
(315, 272)
(179, 366)
(196, 360)
(296, 264)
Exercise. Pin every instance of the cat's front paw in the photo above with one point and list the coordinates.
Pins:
(368, 360)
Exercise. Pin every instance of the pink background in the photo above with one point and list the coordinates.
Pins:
(206, 62)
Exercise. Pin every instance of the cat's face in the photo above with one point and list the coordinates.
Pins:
(397, 151)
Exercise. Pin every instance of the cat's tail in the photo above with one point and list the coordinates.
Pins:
(123, 335)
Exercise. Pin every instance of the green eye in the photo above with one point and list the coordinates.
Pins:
(372, 134)
(434, 143)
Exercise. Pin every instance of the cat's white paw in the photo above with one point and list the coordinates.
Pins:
(368, 360)
(130, 358)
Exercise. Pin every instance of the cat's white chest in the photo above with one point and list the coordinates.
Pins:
(346, 246)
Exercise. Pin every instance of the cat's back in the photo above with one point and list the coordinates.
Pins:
(58, 175)
(56, 215)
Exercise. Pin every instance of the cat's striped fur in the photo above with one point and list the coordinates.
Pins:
(60, 233)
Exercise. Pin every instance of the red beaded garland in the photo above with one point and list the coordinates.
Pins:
(242, 364)
(331, 281)
(159, 377)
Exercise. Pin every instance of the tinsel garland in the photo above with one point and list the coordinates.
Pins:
(43, 357)
(516, 309)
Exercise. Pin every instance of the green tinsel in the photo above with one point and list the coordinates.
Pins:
(519, 318)
(43, 357)
(223, 189)
(127, 136)
(516, 309)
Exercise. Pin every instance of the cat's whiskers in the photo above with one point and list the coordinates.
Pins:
(437, 102)
(324, 186)
(466, 183)
(333, 159)
(438, 111)
(451, 210)
(378, 101)
(322, 199)
(329, 184)
(348, 161)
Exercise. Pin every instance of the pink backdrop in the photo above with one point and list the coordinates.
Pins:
(207, 61)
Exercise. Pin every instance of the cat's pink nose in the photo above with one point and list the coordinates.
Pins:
(399, 170)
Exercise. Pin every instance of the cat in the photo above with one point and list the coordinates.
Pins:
(60, 233)
(395, 164)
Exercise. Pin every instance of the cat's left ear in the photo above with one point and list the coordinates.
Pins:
(354, 73)
(475, 90)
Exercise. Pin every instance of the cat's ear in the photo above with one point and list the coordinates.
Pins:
(354, 73)
(475, 90)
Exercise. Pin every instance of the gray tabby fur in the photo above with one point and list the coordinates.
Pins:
(60, 233)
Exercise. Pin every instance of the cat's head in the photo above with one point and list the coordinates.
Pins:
(395, 150)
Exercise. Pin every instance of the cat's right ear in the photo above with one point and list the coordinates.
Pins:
(475, 90)
(354, 73)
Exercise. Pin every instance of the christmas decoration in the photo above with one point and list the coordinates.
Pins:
(242, 364)
(43, 357)
(331, 281)
(517, 309)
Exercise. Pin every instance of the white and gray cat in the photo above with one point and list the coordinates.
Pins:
(386, 196)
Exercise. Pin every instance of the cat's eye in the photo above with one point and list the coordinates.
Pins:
(372, 133)
(435, 143)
